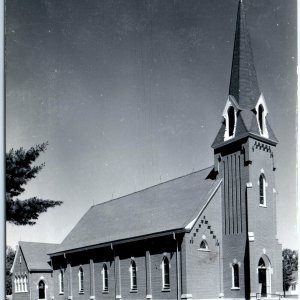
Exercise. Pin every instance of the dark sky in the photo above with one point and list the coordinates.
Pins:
(130, 93)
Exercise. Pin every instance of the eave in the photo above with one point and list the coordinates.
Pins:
(246, 135)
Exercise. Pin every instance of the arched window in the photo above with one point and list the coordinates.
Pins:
(133, 277)
(262, 190)
(16, 285)
(203, 245)
(105, 278)
(80, 280)
(41, 289)
(61, 281)
(22, 284)
(235, 276)
(25, 283)
(261, 118)
(165, 273)
(231, 120)
(19, 284)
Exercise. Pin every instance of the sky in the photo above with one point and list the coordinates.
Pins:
(130, 93)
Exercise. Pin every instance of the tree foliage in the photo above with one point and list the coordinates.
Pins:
(19, 171)
(289, 265)
(10, 256)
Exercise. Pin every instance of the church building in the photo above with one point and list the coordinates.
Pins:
(207, 235)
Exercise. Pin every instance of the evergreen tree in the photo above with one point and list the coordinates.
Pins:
(20, 170)
(10, 256)
(289, 265)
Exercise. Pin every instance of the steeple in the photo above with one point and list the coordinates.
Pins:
(246, 110)
(243, 82)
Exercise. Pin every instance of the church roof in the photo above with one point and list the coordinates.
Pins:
(35, 255)
(243, 82)
(165, 207)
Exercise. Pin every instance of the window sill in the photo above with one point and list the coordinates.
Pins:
(105, 292)
(61, 293)
(203, 250)
(21, 292)
(235, 288)
(227, 138)
(81, 292)
(166, 290)
(263, 205)
(133, 291)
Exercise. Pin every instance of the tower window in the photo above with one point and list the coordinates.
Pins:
(235, 276)
(231, 120)
(261, 113)
(165, 273)
(261, 118)
(133, 279)
(105, 278)
(262, 190)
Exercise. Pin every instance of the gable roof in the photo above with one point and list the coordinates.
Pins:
(165, 207)
(35, 255)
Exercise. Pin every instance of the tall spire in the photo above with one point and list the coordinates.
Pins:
(247, 120)
(243, 82)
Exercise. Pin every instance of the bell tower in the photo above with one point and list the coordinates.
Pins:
(244, 155)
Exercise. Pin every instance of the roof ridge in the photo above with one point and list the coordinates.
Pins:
(44, 243)
(152, 186)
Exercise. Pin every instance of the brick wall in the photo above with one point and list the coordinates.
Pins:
(241, 164)
(118, 259)
(203, 266)
(234, 170)
(262, 219)
(20, 269)
(34, 281)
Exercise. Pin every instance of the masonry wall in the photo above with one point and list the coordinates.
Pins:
(203, 266)
(20, 269)
(249, 229)
(262, 219)
(147, 254)
(35, 278)
(233, 166)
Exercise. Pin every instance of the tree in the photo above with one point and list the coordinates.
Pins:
(10, 256)
(20, 170)
(289, 265)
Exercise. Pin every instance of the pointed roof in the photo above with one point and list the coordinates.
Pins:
(163, 208)
(243, 82)
(35, 255)
(244, 92)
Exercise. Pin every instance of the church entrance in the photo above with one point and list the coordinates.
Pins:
(42, 290)
(264, 276)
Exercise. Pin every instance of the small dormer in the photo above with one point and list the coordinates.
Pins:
(261, 111)
(230, 118)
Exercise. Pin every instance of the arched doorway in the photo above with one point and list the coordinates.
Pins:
(42, 287)
(264, 275)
